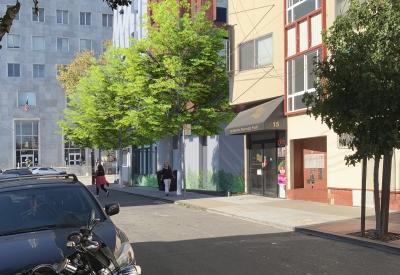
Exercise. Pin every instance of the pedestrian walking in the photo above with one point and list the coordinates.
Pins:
(166, 176)
(101, 180)
(80, 161)
(28, 162)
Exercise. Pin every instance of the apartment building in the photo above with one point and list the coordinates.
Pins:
(204, 155)
(31, 99)
(288, 154)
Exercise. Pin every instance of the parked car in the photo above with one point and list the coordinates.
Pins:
(47, 171)
(21, 171)
(38, 214)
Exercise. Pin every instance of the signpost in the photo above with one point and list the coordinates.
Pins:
(187, 131)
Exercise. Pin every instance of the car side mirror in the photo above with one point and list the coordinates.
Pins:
(112, 209)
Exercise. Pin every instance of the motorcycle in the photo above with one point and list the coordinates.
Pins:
(91, 257)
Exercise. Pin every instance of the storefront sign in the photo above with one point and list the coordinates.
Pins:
(281, 142)
(243, 129)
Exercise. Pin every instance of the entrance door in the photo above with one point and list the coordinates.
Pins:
(263, 170)
(270, 175)
(23, 159)
(74, 158)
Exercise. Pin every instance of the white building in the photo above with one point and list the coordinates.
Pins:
(28, 75)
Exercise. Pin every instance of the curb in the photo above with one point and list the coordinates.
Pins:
(385, 247)
(145, 196)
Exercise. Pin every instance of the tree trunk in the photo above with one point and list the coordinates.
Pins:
(120, 158)
(384, 222)
(180, 165)
(376, 194)
(363, 194)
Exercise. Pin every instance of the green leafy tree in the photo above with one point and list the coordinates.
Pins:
(180, 72)
(359, 91)
(70, 75)
(97, 110)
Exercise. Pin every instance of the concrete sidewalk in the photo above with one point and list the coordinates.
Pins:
(332, 221)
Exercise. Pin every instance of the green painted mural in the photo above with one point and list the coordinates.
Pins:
(216, 181)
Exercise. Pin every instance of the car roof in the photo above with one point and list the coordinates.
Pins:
(38, 180)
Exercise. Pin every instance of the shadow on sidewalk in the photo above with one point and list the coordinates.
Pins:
(340, 230)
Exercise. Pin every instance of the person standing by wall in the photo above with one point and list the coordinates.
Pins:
(101, 180)
(166, 175)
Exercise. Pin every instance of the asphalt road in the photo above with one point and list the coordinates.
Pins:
(172, 239)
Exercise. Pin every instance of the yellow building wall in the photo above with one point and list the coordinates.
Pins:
(339, 175)
(250, 20)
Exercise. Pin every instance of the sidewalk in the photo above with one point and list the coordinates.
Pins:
(332, 221)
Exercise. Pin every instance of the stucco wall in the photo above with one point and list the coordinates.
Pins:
(338, 174)
(250, 20)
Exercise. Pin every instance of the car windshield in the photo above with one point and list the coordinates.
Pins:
(26, 209)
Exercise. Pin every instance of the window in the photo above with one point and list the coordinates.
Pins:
(62, 17)
(38, 43)
(14, 70)
(300, 79)
(38, 71)
(17, 15)
(39, 17)
(23, 96)
(203, 140)
(13, 41)
(85, 18)
(342, 6)
(85, 44)
(344, 141)
(299, 8)
(256, 53)
(107, 20)
(62, 44)
(175, 142)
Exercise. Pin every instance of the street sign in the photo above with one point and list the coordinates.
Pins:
(187, 129)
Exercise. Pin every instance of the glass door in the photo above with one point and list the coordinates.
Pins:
(263, 177)
(255, 171)
(270, 175)
(74, 158)
(27, 160)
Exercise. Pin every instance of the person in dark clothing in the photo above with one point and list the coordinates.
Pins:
(166, 176)
(101, 180)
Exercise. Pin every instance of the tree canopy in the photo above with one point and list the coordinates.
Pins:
(359, 89)
(70, 75)
(98, 108)
(181, 70)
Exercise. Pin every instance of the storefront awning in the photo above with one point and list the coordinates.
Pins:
(266, 116)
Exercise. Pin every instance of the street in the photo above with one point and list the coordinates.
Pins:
(172, 239)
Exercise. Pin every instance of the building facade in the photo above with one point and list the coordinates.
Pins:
(289, 154)
(31, 98)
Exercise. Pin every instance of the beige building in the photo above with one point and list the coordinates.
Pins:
(288, 154)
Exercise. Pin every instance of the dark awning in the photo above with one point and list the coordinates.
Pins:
(266, 116)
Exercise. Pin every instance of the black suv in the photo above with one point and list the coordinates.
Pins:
(37, 215)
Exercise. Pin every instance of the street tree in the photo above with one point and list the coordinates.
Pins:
(70, 75)
(97, 110)
(358, 87)
(180, 72)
